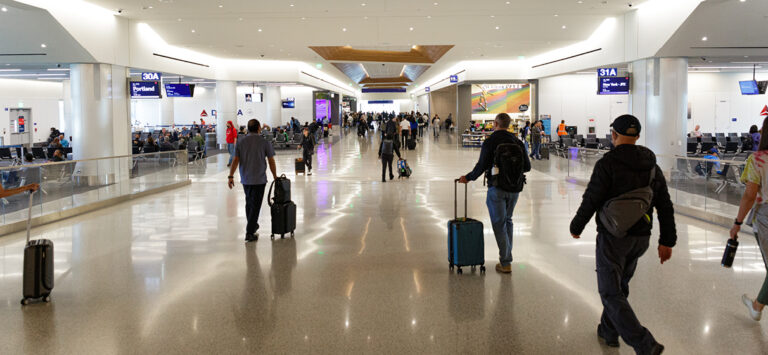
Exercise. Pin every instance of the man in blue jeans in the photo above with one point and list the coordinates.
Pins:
(501, 204)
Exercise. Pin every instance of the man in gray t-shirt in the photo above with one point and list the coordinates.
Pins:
(252, 154)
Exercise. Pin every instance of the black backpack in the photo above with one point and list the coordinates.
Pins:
(387, 147)
(508, 162)
(391, 129)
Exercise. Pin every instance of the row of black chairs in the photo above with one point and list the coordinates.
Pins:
(729, 144)
(39, 153)
(280, 141)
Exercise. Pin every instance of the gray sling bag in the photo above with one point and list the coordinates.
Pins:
(622, 212)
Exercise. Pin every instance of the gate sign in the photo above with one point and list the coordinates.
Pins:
(151, 76)
(204, 114)
(608, 72)
(426, 89)
(454, 78)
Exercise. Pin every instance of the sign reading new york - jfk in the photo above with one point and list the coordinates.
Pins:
(608, 72)
(151, 76)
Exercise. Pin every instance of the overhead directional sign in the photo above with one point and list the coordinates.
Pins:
(151, 76)
(454, 78)
(608, 72)
(426, 89)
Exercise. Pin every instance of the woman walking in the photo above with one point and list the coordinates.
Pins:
(231, 140)
(755, 176)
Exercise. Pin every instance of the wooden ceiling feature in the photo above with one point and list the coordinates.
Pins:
(413, 72)
(401, 79)
(353, 70)
(417, 54)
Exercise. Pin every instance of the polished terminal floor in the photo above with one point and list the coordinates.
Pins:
(366, 273)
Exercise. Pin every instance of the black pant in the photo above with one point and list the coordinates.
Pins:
(421, 131)
(386, 161)
(254, 196)
(307, 156)
(616, 264)
(406, 133)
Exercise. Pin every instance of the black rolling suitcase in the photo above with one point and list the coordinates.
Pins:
(544, 151)
(300, 166)
(38, 266)
(411, 144)
(283, 211)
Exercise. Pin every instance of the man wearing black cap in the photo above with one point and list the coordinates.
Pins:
(628, 167)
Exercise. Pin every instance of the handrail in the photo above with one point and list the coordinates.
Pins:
(16, 167)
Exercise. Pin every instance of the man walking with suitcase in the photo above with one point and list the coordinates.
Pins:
(625, 186)
(504, 162)
(251, 155)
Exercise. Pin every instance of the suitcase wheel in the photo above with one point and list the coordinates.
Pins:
(450, 266)
(24, 301)
(272, 236)
(282, 236)
(47, 299)
(459, 271)
(292, 234)
(482, 269)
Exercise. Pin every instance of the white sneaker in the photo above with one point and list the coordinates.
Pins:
(755, 314)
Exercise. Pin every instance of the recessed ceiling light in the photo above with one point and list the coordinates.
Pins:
(193, 31)
(564, 27)
(492, 16)
(507, 2)
(365, 17)
(428, 16)
(497, 27)
(259, 29)
(150, 7)
(704, 38)
(303, 18)
(434, 4)
(410, 28)
(556, 15)
(363, 4)
(580, 2)
(43, 45)
(220, 6)
(178, 19)
(291, 5)
(344, 29)
(4, 9)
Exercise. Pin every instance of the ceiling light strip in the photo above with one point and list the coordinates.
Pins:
(181, 60)
(21, 54)
(567, 58)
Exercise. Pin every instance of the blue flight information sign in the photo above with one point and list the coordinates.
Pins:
(179, 90)
(613, 86)
(145, 90)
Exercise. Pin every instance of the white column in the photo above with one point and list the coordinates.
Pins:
(274, 103)
(100, 118)
(66, 123)
(660, 101)
(226, 108)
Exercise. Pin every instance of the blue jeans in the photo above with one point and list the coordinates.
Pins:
(501, 205)
(536, 151)
(231, 150)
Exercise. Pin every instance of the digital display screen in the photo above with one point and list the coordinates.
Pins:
(289, 104)
(613, 86)
(145, 90)
(749, 87)
(179, 90)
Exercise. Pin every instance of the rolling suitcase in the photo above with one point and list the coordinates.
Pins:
(466, 246)
(282, 208)
(300, 166)
(411, 144)
(283, 218)
(38, 266)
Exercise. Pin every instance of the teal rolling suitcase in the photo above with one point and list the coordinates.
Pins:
(466, 246)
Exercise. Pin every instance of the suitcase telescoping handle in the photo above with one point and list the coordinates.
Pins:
(456, 199)
(29, 214)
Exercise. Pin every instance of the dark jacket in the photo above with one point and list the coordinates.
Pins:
(485, 163)
(625, 168)
(308, 144)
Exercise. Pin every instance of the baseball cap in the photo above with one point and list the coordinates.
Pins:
(627, 125)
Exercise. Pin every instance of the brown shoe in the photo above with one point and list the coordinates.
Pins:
(504, 269)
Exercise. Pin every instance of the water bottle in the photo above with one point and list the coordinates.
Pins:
(730, 252)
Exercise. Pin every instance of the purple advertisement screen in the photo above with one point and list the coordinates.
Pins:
(322, 109)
